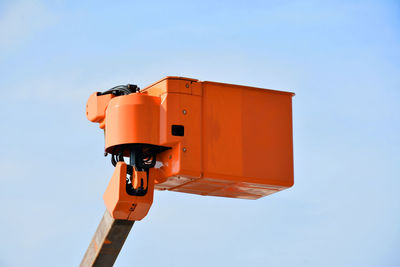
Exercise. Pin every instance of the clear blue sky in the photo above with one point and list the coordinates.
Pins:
(341, 58)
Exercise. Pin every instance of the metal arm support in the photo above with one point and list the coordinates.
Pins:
(107, 242)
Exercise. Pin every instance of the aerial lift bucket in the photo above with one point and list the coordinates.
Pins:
(184, 135)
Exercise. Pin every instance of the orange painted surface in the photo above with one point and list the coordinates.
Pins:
(132, 119)
(121, 205)
(96, 108)
(236, 142)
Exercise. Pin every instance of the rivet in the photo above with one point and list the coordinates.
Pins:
(187, 85)
(184, 112)
(184, 149)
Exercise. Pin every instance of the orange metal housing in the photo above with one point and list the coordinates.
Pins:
(120, 204)
(224, 140)
(132, 118)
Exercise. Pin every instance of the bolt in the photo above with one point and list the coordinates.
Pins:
(184, 149)
(187, 85)
(184, 112)
(170, 157)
